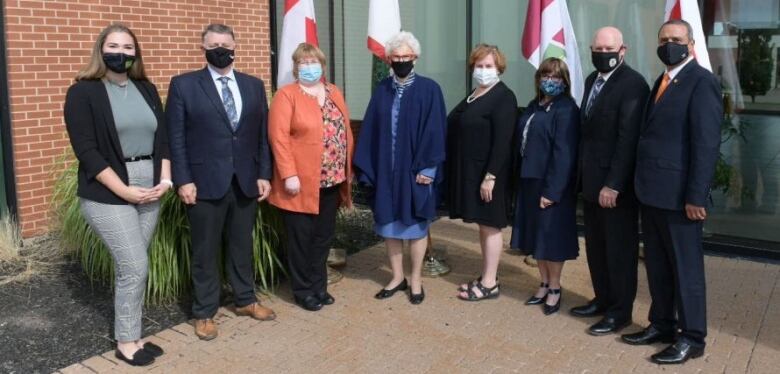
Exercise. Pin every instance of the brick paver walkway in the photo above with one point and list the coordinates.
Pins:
(444, 335)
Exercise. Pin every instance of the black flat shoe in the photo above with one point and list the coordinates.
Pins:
(384, 294)
(310, 303)
(417, 298)
(326, 298)
(591, 309)
(533, 300)
(677, 353)
(140, 358)
(607, 325)
(153, 349)
(550, 309)
(648, 336)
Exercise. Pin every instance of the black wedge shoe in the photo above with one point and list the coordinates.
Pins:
(550, 309)
(384, 294)
(417, 298)
(533, 300)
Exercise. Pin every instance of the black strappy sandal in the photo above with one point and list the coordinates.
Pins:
(473, 283)
(487, 293)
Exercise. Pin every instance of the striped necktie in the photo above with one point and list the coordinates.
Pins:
(594, 92)
(229, 103)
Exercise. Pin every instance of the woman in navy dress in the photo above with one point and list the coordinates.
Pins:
(398, 154)
(545, 216)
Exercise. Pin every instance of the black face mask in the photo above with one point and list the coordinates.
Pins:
(220, 57)
(672, 53)
(402, 69)
(605, 62)
(118, 62)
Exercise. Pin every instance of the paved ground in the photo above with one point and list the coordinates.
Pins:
(444, 335)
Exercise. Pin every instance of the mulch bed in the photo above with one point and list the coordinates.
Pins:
(59, 318)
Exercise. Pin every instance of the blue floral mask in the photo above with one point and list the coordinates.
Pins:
(551, 87)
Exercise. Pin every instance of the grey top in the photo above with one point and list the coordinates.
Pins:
(134, 119)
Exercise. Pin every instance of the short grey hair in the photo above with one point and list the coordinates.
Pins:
(685, 23)
(401, 39)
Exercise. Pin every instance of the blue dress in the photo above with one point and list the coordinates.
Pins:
(402, 135)
(547, 149)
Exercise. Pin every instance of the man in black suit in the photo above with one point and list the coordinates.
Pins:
(217, 121)
(611, 117)
(676, 156)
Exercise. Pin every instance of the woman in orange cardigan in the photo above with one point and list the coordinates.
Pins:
(312, 146)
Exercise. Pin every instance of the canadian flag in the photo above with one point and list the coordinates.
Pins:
(688, 10)
(384, 21)
(298, 27)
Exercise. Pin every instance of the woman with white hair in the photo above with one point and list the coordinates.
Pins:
(398, 156)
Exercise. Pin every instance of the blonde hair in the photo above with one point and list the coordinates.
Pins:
(96, 68)
(305, 50)
(481, 50)
(555, 67)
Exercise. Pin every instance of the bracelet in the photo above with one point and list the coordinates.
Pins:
(168, 182)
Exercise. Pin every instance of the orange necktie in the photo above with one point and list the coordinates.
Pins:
(662, 87)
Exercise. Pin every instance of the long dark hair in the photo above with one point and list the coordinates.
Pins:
(96, 68)
(553, 66)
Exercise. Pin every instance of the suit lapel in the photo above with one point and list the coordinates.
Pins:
(245, 92)
(679, 78)
(608, 86)
(210, 89)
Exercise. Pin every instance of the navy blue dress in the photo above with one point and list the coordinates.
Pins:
(547, 153)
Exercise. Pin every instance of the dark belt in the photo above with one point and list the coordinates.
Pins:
(138, 158)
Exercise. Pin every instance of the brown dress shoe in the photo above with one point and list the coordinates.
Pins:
(205, 329)
(256, 311)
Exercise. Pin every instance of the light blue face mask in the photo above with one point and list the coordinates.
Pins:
(551, 87)
(310, 73)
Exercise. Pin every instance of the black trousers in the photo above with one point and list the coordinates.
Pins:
(234, 216)
(308, 243)
(612, 245)
(675, 273)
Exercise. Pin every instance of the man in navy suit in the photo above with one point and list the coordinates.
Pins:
(676, 156)
(611, 118)
(217, 121)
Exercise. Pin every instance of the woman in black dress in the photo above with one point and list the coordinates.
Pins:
(479, 142)
(545, 218)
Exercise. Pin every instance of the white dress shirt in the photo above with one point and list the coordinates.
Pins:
(673, 73)
(232, 85)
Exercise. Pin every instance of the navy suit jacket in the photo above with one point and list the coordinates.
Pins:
(679, 141)
(551, 148)
(204, 148)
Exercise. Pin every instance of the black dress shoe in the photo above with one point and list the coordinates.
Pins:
(550, 309)
(140, 358)
(533, 300)
(326, 298)
(607, 325)
(384, 294)
(677, 353)
(310, 303)
(647, 336)
(416, 298)
(153, 349)
(590, 309)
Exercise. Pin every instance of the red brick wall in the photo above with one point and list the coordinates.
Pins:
(48, 41)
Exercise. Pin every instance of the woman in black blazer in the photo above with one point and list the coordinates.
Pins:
(545, 217)
(116, 126)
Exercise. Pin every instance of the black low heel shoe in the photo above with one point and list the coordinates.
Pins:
(550, 309)
(153, 349)
(310, 303)
(533, 300)
(418, 298)
(384, 294)
(140, 358)
(326, 298)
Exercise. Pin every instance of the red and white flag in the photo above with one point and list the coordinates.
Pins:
(298, 27)
(384, 21)
(688, 10)
(548, 33)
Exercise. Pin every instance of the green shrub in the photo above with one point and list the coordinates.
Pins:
(169, 252)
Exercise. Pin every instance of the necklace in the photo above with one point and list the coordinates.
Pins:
(120, 88)
(470, 99)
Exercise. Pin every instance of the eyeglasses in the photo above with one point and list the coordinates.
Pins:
(402, 58)
(551, 77)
